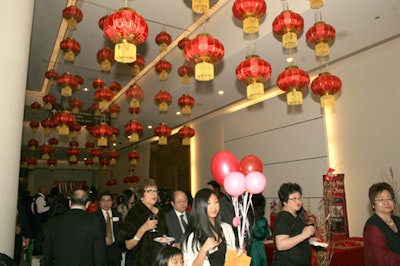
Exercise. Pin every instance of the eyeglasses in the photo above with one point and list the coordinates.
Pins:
(382, 200)
(151, 191)
(296, 199)
(180, 202)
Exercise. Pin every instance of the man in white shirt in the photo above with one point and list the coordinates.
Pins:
(40, 209)
(177, 218)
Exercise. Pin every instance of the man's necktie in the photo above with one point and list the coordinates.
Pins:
(183, 221)
(108, 227)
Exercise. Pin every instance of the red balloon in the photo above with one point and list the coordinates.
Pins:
(222, 164)
(250, 163)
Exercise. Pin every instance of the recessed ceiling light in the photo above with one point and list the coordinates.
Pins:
(85, 89)
(149, 126)
(220, 92)
(114, 144)
(289, 59)
(178, 113)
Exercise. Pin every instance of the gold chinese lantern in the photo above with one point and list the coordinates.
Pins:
(289, 25)
(293, 80)
(71, 48)
(105, 57)
(163, 39)
(135, 95)
(249, 11)
(133, 129)
(200, 6)
(163, 99)
(186, 102)
(254, 71)
(163, 67)
(326, 85)
(204, 51)
(73, 15)
(163, 132)
(186, 133)
(321, 35)
(126, 28)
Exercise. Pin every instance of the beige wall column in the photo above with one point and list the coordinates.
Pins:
(15, 28)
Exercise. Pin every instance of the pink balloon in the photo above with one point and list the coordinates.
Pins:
(250, 163)
(223, 163)
(234, 184)
(255, 182)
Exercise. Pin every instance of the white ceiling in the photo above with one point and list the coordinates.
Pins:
(359, 25)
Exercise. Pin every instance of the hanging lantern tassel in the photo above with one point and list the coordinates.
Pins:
(200, 6)
(204, 71)
(125, 52)
(254, 90)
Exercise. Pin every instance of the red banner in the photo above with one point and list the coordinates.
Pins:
(335, 193)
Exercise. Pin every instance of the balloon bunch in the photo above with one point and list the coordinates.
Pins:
(239, 179)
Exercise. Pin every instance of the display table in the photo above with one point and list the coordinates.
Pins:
(349, 251)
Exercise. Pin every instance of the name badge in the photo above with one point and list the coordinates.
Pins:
(115, 219)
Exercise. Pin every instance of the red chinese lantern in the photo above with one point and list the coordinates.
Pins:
(105, 162)
(51, 163)
(135, 95)
(31, 163)
(34, 125)
(326, 85)
(105, 57)
(73, 153)
(163, 39)
(321, 35)
(126, 28)
(49, 100)
(200, 6)
(63, 121)
(163, 67)
(114, 109)
(103, 96)
(293, 80)
(71, 48)
(115, 133)
(33, 143)
(115, 87)
(182, 43)
(131, 179)
(137, 66)
(75, 104)
(185, 72)
(67, 81)
(102, 21)
(88, 162)
(186, 102)
(102, 132)
(46, 150)
(289, 25)
(35, 106)
(133, 129)
(163, 132)
(185, 133)
(95, 109)
(249, 11)
(111, 182)
(73, 143)
(80, 82)
(53, 142)
(89, 146)
(48, 125)
(204, 51)
(95, 154)
(98, 84)
(113, 157)
(73, 15)
(163, 99)
(133, 156)
(75, 128)
(254, 71)
(51, 75)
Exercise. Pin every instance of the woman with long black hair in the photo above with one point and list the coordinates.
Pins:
(206, 239)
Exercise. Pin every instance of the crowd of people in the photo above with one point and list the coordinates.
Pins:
(148, 227)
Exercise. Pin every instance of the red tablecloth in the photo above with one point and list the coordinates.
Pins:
(349, 251)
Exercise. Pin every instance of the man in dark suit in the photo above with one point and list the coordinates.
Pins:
(75, 237)
(111, 222)
(177, 218)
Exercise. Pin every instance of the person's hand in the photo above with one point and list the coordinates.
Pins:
(108, 241)
(308, 231)
(150, 224)
(210, 244)
(18, 229)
